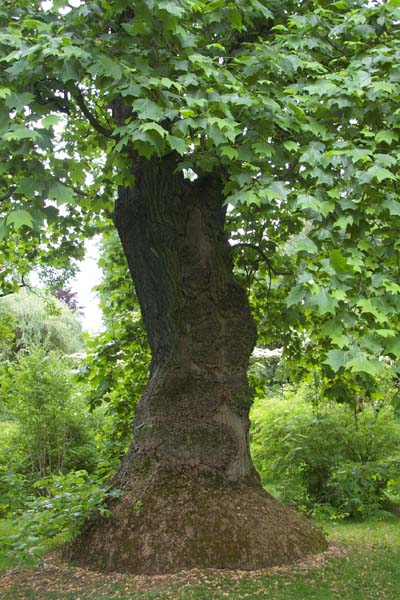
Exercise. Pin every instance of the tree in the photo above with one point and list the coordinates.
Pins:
(174, 117)
(37, 319)
(52, 435)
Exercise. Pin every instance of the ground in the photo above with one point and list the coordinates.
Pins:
(362, 563)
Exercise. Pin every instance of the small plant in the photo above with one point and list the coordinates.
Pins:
(358, 489)
(138, 505)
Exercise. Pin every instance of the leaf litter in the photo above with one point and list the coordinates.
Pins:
(55, 576)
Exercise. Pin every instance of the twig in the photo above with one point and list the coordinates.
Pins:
(80, 100)
(266, 259)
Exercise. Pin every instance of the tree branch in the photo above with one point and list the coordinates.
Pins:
(23, 284)
(266, 258)
(80, 100)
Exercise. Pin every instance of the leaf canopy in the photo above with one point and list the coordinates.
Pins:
(294, 105)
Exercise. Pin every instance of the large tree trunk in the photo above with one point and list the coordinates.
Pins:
(191, 495)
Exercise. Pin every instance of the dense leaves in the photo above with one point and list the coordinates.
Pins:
(294, 105)
(325, 457)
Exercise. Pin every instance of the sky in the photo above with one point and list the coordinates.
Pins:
(89, 276)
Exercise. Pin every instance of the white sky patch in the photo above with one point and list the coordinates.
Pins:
(86, 279)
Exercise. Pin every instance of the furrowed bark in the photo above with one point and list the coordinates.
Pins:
(195, 410)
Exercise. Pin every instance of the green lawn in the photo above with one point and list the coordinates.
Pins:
(369, 569)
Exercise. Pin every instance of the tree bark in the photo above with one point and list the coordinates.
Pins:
(191, 497)
(194, 413)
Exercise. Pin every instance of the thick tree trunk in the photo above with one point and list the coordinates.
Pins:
(194, 413)
(191, 495)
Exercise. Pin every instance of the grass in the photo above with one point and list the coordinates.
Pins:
(370, 569)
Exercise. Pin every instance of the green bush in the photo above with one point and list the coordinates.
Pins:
(358, 489)
(55, 516)
(39, 319)
(331, 457)
(51, 430)
(52, 434)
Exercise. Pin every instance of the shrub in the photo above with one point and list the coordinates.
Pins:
(52, 435)
(358, 489)
(66, 501)
(331, 457)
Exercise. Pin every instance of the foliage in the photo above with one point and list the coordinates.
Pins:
(7, 333)
(334, 458)
(115, 367)
(51, 435)
(44, 425)
(35, 318)
(66, 501)
(14, 488)
(357, 489)
(292, 106)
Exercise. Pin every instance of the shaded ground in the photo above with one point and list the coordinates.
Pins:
(53, 578)
(363, 563)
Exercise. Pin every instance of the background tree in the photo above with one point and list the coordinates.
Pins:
(173, 111)
(39, 319)
(45, 427)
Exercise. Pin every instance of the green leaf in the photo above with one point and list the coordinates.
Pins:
(386, 333)
(20, 132)
(393, 347)
(154, 127)
(386, 136)
(69, 72)
(177, 144)
(18, 102)
(51, 120)
(104, 65)
(147, 109)
(263, 149)
(336, 359)
(19, 218)
(313, 154)
(322, 301)
(173, 8)
(296, 295)
(339, 262)
(291, 146)
(362, 364)
(61, 193)
(278, 190)
(380, 173)
(368, 307)
(3, 229)
(259, 6)
(230, 152)
(392, 205)
(27, 186)
(306, 245)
